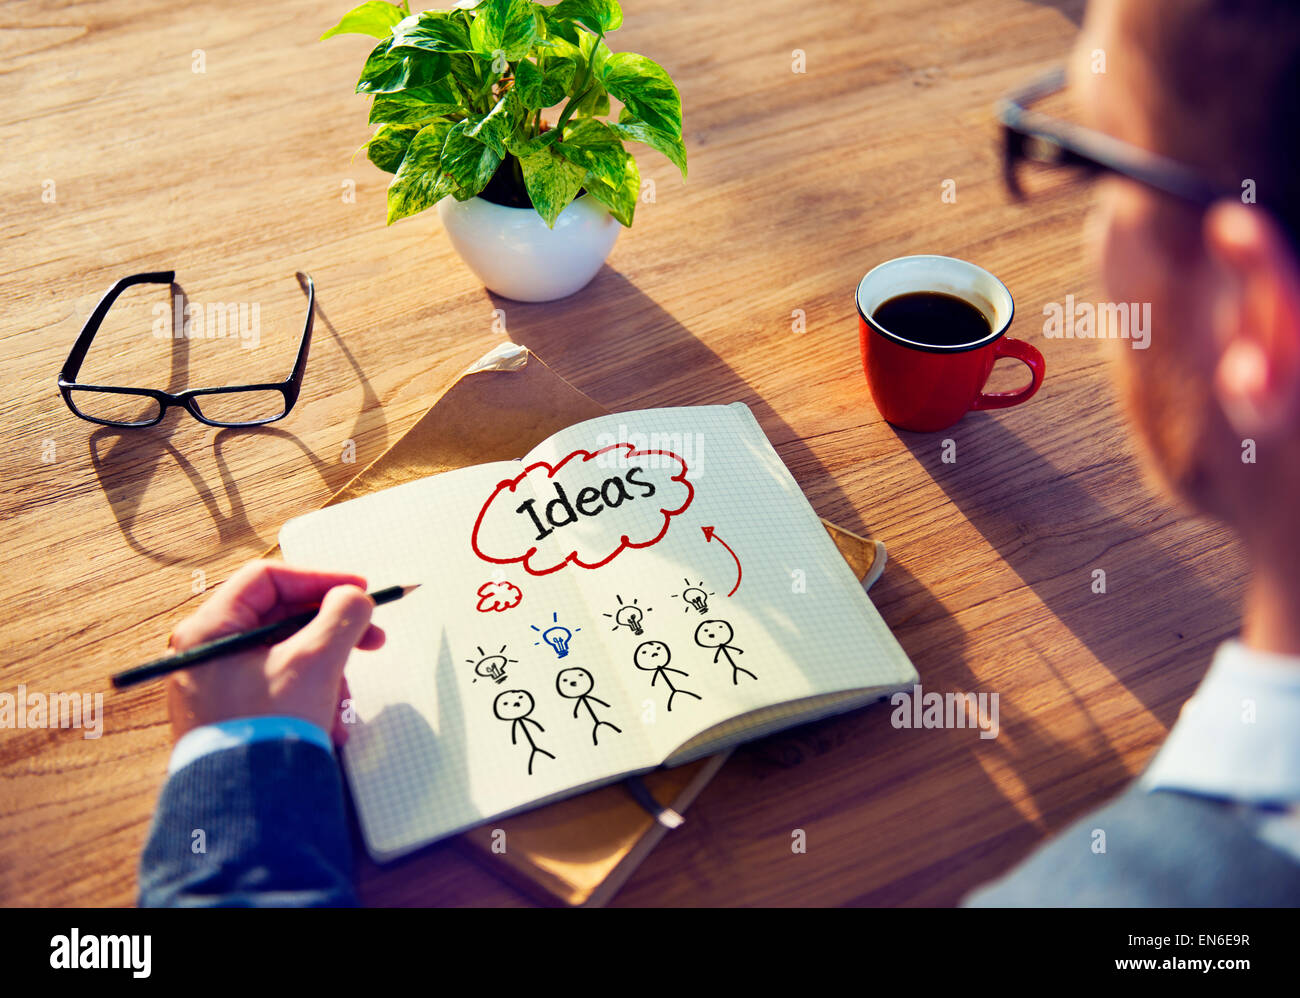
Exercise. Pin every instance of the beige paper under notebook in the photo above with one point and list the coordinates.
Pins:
(640, 589)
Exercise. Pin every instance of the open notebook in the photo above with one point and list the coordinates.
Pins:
(640, 589)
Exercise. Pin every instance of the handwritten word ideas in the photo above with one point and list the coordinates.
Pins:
(584, 510)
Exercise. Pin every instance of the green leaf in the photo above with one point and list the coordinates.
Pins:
(465, 72)
(506, 26)
(381, 68)
(600, 16)
(433, 31)
(416, 105)
(560, 71)
(595, 104)
(590, 50)
(579, 52)
(519, 145)
(529, 83)
(557, 28)
(387, 71)
(620, 201)
(638, 131)
(538, 89)
(551, 181)
(388, 146)
(420, 181)
(374, 18)
(468, 161)
(593, 146)
(496, 127)
(596, 52)
(645, 89)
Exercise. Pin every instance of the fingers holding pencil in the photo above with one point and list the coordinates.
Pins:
(301, 675)
(262, 592)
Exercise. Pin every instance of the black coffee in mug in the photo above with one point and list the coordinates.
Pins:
(934, 318)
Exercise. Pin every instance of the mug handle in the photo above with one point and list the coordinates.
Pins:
(1031, 358)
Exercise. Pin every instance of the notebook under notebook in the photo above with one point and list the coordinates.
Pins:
(577, 623)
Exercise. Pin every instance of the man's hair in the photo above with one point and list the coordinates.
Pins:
(1227, 75)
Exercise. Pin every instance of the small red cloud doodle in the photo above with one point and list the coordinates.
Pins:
(583, 511)
(499, 596)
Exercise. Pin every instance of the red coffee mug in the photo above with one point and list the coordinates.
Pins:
(921, 386)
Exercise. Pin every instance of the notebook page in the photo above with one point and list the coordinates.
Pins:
(768, 720)
(462, 700)
(721, 634)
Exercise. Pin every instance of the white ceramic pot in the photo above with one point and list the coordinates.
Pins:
(514, 254)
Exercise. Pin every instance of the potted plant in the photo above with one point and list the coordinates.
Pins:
(461, 98)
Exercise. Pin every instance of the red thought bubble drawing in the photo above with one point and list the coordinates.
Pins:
(498, 596)
(583, 511)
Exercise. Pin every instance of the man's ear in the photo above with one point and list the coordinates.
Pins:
(1256, 320)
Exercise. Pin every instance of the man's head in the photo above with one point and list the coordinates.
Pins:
(1212, 84)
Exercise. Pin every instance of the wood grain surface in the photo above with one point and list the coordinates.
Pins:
(238, 176)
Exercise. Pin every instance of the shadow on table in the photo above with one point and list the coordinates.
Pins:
(615, 321)
(1023, 517)
(935, 781)
(1041, 760)
(616, 328)
(127, 460)
(1072, 9)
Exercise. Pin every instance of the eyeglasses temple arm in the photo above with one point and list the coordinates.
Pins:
(88, 331)
(1094, 149)
(300, 364)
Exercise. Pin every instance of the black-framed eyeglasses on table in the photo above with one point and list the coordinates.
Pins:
(230, 405)
(1031, 136)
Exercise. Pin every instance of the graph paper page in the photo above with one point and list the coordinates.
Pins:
(763, 612)
(575, 619)
(460, 704)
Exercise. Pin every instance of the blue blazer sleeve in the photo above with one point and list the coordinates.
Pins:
(1160, 849)
(256, 825)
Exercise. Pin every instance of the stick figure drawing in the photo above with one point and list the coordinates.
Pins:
(576, 684)
(717, 634)
(654, 656)
(515, 706)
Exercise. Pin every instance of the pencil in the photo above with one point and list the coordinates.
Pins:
(268, 634)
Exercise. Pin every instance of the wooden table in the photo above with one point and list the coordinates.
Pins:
(239, 175)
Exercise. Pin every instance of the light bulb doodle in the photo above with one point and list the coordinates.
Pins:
(694, 597)
(558, 636)
(628, 615)
(491, 666)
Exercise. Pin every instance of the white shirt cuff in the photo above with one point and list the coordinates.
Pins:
(243, 731)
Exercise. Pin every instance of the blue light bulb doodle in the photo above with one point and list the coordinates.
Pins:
(557, 636)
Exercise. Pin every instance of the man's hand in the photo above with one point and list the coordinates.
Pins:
(302, 676)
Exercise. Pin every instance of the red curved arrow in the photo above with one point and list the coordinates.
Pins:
(709, 535)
